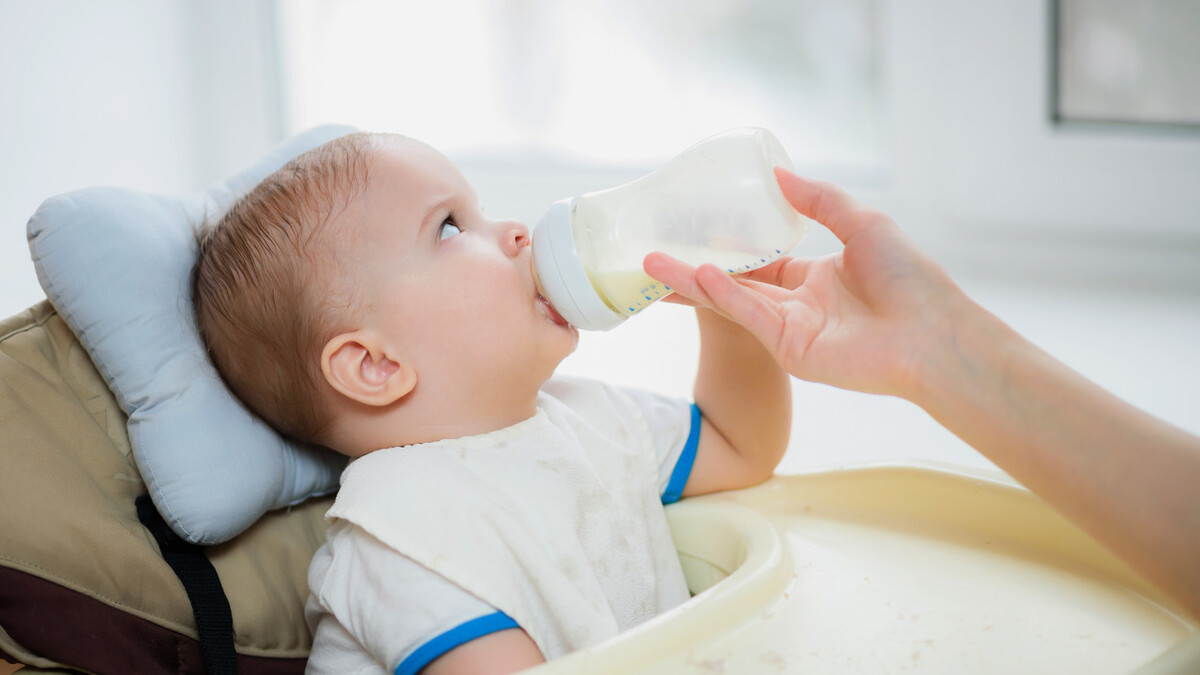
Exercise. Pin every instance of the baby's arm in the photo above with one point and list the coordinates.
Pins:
(506, 651)
(745, 398)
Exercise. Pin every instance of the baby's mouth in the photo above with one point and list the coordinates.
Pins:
(551, 313)
(547, 308)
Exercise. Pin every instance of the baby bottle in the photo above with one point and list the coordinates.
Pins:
(717, 202)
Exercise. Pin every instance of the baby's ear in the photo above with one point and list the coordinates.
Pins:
(361, 366)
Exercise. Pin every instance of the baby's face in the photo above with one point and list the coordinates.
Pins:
(454, 287)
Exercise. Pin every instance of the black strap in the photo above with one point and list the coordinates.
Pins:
(214, 620)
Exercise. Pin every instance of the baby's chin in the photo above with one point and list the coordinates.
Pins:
(570, 345)
(564, 338)
(546, 371)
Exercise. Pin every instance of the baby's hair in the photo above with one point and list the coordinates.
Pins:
(265, 287)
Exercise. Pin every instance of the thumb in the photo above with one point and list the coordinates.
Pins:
(824, 202)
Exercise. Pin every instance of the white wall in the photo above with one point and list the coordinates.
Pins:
(166, 96)
(977, 172)
(1089, 241)
(1000, 186)
(1085, 240)
(157, 96)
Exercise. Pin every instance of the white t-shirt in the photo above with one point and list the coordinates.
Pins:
(554, 525)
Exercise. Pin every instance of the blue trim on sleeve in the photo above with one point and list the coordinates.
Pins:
(683, 467)
(455, 637)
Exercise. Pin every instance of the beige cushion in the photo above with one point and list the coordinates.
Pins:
(69, 485)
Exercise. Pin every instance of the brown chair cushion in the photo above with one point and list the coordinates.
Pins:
(82, 583)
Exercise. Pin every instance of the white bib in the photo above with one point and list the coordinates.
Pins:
(555, 521)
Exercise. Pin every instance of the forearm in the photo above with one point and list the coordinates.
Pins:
(1128, 479)
(743, 392)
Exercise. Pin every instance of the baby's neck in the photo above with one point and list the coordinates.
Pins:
(474, 425)
(428, 418)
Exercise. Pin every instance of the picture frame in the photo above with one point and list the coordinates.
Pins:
(1125, 64)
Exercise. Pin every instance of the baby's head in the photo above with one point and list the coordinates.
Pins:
(359, 298)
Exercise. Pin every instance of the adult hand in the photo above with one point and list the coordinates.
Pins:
(862, 319)
(882, 317)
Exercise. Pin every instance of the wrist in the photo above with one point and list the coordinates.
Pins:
(966, 349)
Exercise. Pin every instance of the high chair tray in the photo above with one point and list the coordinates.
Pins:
(879, 569)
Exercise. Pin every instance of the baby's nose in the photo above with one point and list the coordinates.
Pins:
(515, 237)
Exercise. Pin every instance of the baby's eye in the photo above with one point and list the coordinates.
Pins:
(448, 229)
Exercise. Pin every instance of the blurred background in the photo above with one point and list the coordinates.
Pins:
(1046, 152)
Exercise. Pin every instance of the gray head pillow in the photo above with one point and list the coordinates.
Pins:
(116, 264)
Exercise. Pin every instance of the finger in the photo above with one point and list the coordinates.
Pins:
(825, 203)
(774, 281)
(743, 301)
(677, 275)
(666, 268)
(768, 271)
(677, 299)
(786, 272)
(767, 288)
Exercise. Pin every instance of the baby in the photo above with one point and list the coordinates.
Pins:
(491, 517)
